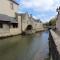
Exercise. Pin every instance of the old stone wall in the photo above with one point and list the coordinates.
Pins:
(53, 46)
(58, 23)
(5, 8)
(4, 29)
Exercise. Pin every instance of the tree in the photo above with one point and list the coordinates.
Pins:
(52, 22)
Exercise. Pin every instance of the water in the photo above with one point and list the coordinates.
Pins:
(29, 47)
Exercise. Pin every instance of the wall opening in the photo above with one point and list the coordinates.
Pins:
(29, 27)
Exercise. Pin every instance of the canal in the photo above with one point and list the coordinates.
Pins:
(28, 47)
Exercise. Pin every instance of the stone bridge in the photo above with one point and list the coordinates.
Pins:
(26, 22)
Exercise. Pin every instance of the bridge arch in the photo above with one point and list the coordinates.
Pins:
(29, 27)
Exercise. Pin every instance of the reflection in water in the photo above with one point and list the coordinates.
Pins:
(29, 47)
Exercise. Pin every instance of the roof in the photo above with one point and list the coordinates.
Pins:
(37, 20)
(13, 20)
(4, 17)
(14, 2)
(20, 14)
(7, 18)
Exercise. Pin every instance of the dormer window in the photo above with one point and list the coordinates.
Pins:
(11, 4)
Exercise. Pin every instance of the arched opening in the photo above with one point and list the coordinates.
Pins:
(29, 27)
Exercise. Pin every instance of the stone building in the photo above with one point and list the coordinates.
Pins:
(13, 23)
(25, 20)
(38, 25)
(58, 20)
(8, 7)
(8, 18)
(29, 23)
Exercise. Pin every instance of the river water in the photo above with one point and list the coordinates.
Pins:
(28, 47)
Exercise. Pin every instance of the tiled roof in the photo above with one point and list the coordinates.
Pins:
(7, 18)
(4, 17)
(13, 20)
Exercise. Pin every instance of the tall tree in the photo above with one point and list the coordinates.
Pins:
(52, 22)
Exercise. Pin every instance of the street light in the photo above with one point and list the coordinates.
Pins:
(58, 10)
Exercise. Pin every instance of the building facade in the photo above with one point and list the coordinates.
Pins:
(29, 23)
(13, 23)
(8, 7)
(58, 20)
(8, 18)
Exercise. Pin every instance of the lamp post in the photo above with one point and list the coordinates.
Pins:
(58, 10)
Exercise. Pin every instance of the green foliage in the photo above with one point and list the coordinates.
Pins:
(52, 22)
(46, 24)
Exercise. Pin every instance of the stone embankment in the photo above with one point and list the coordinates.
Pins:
(54, 45)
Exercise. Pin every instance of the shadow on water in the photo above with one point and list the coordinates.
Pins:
(28, 47)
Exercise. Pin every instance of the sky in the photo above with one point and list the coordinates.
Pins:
(40, 9)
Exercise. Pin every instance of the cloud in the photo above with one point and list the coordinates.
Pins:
(40, 5)
(26, 4)
(43, 9)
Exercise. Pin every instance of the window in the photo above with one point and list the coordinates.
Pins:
(11, 4)
(1, 25)
(15, 25)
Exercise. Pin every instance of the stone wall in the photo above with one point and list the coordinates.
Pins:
(5, 8)
(27, 20)
(58, 23)
(14, 31)
(39, 26)
(54, 45)
(5, 29)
